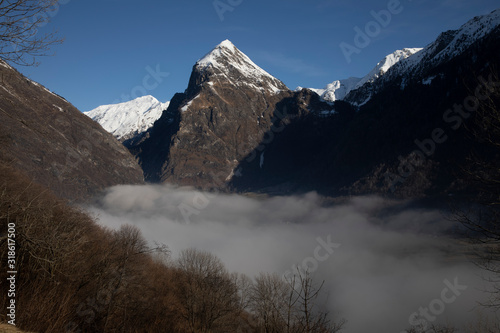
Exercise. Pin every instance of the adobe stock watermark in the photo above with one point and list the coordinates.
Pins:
(223, 6)
(420, 319)
(363, 37)
(93, 306)
(454, 117)
(268, 138)
(83, 149)
(11, 273)
(152, 80)
(201, 200)
(310, 264)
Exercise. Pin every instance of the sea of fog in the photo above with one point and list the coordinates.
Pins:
(381, 263)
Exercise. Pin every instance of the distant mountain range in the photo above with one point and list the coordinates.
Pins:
(238, 128)
(131, 119)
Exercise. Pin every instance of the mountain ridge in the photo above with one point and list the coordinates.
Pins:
(448, 45)
(238, 128)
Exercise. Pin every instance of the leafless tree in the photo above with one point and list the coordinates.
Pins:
(270, 302)
(245, 286)
(20, 40)
(482, 175)
(310, 318)
(290, 306)
(208, 293)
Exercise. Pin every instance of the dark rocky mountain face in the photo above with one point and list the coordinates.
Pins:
(50, 140)
(431, 118)
(296, 148)
(406, 141)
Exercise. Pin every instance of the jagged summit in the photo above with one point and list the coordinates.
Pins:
(225, 49)
(226, 59)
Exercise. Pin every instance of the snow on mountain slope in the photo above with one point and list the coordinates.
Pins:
(385, 64)
(417, 67)
(412, 61)
(125, 120)
(339, 89)
(226, 58)
(448, 45)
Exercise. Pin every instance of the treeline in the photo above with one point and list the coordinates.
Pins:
(76, 276)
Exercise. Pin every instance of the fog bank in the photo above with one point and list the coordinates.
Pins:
(380, 264)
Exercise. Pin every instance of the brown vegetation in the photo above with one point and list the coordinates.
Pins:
(51, 141)
(75, 276)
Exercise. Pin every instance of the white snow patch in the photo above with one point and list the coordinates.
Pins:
(4, 64)
(47, 90)
(7, 90)
(186, 107)
(365, 101)
(428, 80)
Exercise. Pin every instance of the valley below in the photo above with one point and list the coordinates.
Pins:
(380, 261)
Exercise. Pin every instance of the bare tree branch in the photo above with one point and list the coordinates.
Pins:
(20, 41)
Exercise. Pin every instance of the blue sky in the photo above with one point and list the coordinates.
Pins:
(112, 46)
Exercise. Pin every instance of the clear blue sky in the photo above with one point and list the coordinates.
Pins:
(109, 44)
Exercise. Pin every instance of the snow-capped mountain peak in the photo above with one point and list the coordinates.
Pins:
(227, 60)
(224, 49)
(338, 90)
(128, 119)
